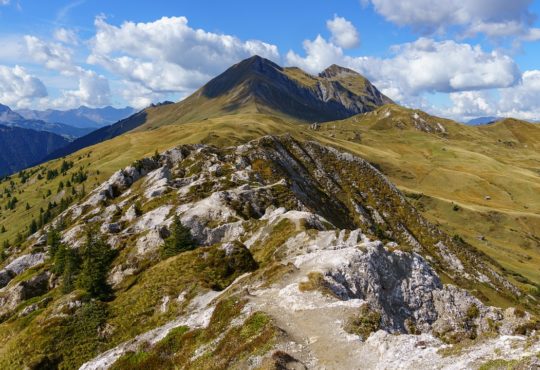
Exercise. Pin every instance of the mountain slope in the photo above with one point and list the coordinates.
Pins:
(514, 133)
(82, 117)
(288, 247)
(476, 182)
(21, 148)
(13, 119)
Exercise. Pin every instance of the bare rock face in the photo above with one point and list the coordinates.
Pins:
(401, 287)
(157, 182)
(131, 214)
(409, 295)
(34, 287)
(119, 182)
(398, 284)
(19, 265)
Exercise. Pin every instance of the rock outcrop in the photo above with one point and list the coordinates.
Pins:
(11, 297)
(19, 265)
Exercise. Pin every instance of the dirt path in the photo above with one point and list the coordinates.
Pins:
(315, 323)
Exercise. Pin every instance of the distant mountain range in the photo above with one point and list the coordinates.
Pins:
(11, 118)
(484, 120)
(21, 148)
(491, 119)
(102, 134)
(82, 117)
(27, 136)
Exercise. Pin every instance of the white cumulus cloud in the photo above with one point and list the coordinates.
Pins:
(470, 104)
(494, 18)
(519, 101)
(319, 55)
(18, 88)
(532, 35)
(66, 36)
(51, 55)
(93, 89)
(343, 32)
(167, 55)
(522, 101)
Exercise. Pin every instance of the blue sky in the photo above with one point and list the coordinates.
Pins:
(460, 58)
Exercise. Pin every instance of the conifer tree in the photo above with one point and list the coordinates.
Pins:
(179, 241)
(33, 227)
(60, 259)
(96, 258)
(71, 269)
(53, 241)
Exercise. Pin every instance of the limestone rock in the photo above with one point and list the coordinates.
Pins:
(33, 287)
(19, 265)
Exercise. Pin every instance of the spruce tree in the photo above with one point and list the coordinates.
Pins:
(96, 258)
(60, 259)
(53, 241)
(71, 269)
(33, 227)
(179, 241)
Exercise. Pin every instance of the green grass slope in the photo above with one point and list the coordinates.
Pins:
(479, 182)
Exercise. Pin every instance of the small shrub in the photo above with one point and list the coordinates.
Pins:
(367, 322)
(138, 208)
(519, 312)
(411, 327)
(527, 328)
(317, 282)
(473, 312)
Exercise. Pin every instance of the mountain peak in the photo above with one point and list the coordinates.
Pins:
(7, 115)
(335, 70)
(4, 108)
(258, 84)
(257, 63)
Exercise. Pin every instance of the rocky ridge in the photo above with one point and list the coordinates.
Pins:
(341, 259)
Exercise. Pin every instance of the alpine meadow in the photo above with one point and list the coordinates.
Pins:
(270, 186)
